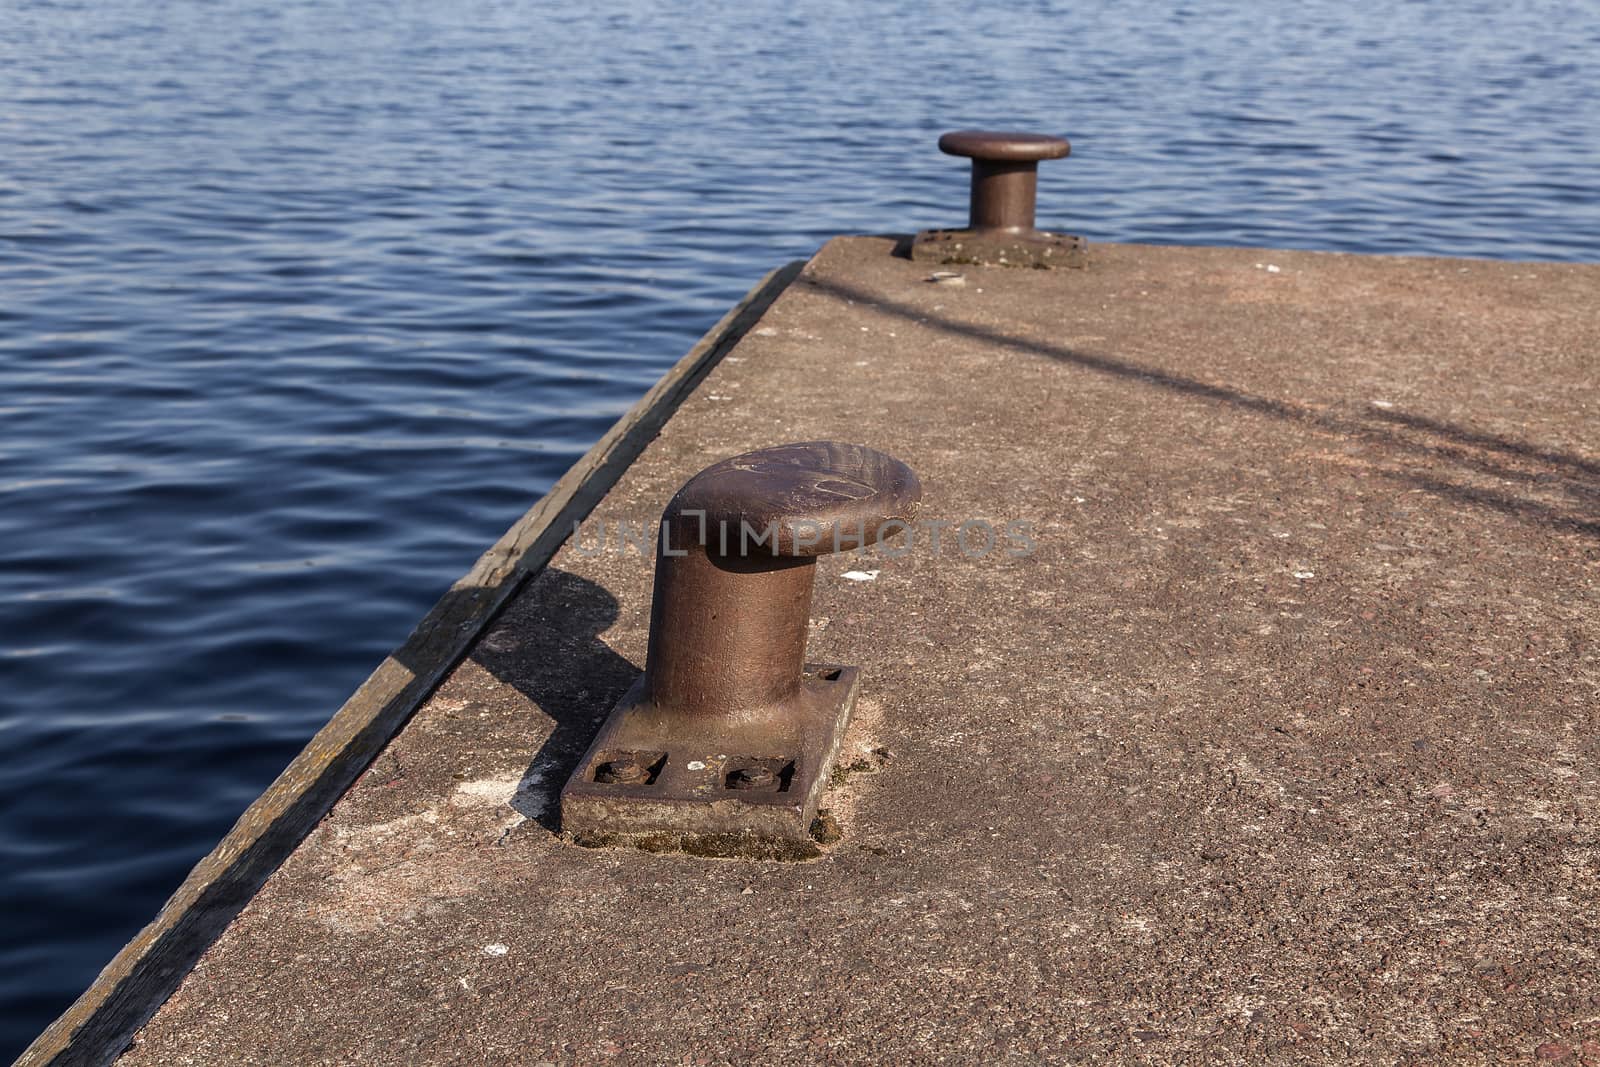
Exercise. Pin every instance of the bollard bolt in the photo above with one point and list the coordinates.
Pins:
(725, 683)
(751, 778)
(626, 769)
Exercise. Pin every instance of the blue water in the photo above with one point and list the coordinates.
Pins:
(302, 304)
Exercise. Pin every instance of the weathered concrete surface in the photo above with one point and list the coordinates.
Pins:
(1281, 745)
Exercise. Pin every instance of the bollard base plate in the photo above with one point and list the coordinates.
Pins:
(711, 786)
(999, 248)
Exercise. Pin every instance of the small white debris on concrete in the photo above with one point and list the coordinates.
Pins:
(766, 331)
(496, 949)
(947, 277)
(1272, 268)
(487, 792)
(697, 765)
(1303, 575)
(860, 576)
(1384, 404)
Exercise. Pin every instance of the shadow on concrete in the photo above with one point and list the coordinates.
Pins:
(568, 672)
(1495, 442)
(1424, 449)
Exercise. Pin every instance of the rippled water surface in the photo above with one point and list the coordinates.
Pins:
(302, 304)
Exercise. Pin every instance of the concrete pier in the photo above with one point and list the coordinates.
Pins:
(1272, 736)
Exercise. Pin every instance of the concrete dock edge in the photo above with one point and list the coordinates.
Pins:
(139, 979)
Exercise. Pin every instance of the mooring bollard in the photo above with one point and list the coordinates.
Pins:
(1000, 226)
(729, 733)
(1005, 174)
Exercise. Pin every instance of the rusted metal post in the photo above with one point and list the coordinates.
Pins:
(1000, 226)
(727, 633)
(1003, 196)
(727, 702)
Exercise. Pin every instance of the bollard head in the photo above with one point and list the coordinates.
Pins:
(994, 147)
(813, 497)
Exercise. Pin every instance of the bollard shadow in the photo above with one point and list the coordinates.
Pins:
(1423, 453)
(559, 663)
(902, 243)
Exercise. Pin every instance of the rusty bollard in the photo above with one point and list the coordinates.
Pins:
(726, 741)
(1005, 173)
